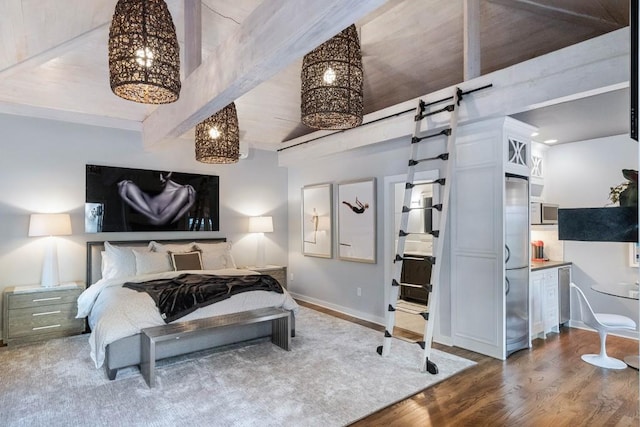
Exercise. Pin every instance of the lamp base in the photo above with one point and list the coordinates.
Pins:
(50, 265)
(260, 257)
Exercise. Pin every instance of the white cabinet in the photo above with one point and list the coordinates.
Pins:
(484, 152)
(517, 160)
(537, 163)
(550, 303)
(544, 306)
(536, 284)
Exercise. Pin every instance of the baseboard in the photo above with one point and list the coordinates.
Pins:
(634, 335)
(340, 309)
(448, 341)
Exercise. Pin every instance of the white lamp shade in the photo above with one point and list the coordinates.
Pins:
(261, 224)
(49, 225)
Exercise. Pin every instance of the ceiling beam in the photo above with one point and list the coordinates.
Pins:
(54, 52)
(192, 35)
(277, 33)
(370, 17)
(471, 39)
(68, 116)
(566, 15)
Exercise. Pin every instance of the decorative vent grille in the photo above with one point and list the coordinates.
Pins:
(536, 166)
(517, 153)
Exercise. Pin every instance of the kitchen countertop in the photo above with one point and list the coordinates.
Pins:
(541, 265)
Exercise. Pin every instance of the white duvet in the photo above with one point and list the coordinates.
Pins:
(115, 312)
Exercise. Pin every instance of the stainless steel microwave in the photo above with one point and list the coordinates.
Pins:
(544, 213)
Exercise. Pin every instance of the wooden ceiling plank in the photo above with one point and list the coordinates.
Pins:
(192, 35)
(277, 33)
(593, 66)
(471, 38)
(12, 31)
(49, 54)
(559, 13)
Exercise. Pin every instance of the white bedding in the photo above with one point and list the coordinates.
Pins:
(115, 312)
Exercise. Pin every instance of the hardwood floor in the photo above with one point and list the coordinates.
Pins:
(547, 385)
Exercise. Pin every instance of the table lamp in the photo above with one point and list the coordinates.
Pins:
(50, 225)
(260, 225)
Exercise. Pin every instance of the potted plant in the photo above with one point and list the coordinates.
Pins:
(626, 193)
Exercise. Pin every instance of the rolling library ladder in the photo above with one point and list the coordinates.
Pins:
(423, 111)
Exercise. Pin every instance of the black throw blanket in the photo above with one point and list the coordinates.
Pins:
(183, 294)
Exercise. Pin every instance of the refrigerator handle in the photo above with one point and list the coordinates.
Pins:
(507, 286)
(507, 254)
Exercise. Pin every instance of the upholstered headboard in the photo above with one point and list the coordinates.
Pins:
(95, 248)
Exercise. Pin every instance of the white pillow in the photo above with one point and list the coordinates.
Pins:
(216, 255)
(104, 263)
(148, 262)
(171, 247)
(213, 261)
(120, 261)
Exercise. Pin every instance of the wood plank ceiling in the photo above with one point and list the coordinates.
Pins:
(53, 54)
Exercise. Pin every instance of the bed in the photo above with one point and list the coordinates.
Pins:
(116, 314)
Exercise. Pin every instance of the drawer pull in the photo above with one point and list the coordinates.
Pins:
(45, 313)
(45, 327)
(47, 299)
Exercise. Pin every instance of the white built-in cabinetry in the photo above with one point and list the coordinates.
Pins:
(545, 302)
(538, 165)
(543, 306)
(484, 152)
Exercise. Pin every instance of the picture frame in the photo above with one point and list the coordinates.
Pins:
(356, 206)
(119, 199)
(317, 220)
(634, 254)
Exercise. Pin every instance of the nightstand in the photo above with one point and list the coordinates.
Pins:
(34, 313)
(278, 272)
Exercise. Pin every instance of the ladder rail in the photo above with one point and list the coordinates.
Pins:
(404, 218)
(443, 216)
(394, 290)
(442, 197)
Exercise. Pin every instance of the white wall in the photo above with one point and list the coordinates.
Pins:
(42, 167)
(579, 175)
(576, 175)
(333, 282)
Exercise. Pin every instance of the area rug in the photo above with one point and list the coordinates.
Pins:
(331, 377)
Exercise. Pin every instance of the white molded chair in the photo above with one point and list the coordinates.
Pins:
(603, 323)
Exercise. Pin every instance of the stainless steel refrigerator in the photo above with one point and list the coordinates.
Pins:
(517, 262)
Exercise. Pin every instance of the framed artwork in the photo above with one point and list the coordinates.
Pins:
(123, 199)
(356, 202)
(317, 221)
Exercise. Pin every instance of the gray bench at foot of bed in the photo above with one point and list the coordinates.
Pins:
(153, 338)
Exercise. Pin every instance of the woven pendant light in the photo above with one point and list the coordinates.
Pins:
(218, 137)
(144, 55)
(332, 82)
